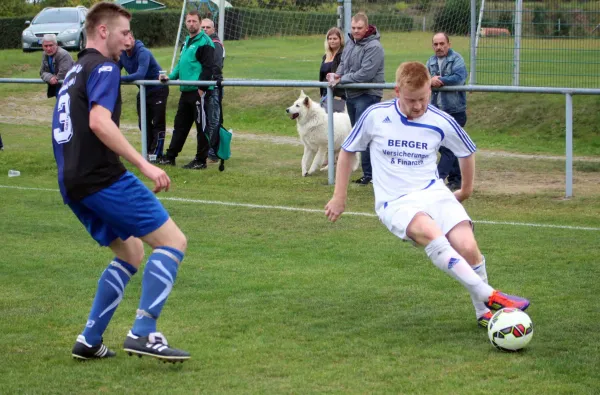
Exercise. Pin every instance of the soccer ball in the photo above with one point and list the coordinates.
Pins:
(510, 329)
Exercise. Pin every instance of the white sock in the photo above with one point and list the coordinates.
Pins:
(447, 259)
(480, 307)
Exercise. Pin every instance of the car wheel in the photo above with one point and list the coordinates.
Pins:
(81, 43)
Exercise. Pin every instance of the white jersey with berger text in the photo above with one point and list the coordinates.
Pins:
(403, 151)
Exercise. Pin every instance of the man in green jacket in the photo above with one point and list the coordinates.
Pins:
(196, 63)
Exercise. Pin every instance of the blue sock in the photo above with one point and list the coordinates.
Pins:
(159, 276)
(111, 287)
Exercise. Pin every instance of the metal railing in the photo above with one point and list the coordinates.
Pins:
(568, 92)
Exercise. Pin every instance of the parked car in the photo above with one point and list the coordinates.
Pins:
(68, 23)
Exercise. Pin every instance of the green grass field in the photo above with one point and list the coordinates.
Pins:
(274, 300)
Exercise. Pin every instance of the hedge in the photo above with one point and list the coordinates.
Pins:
(243, 22)
(159, 28)
(12, 29)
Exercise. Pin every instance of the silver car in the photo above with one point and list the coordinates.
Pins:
(68, 23)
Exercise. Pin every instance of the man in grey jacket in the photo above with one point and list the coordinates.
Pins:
(362, 62)
(56, 62)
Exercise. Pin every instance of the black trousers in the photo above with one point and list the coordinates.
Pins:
(156, 125)
(187, 115)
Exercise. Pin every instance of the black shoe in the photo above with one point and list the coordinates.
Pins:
(83, 351)
(195, 164)
(364, 180)
(154, 345)
(166, 161)
(213, 159)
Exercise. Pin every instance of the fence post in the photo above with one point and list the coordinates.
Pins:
(222, 20)
(569, 145)
(330, 140)
(347, 17)
(517, 51)
(474, 30)
(143, 121)
(178, 34)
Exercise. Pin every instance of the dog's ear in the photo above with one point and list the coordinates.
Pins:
(307, 101)
(302, 94)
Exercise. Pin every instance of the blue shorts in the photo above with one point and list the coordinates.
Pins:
(124, 209)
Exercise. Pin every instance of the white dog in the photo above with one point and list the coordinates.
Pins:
(311, 121)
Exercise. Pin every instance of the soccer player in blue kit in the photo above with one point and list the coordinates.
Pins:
(115, 207)
(404, 136)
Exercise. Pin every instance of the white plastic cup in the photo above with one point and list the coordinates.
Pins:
(14, 173)
(161, 73)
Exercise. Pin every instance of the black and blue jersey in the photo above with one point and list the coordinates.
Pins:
(85, 164)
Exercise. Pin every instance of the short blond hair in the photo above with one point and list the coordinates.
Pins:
(103, 13)
(412, 75)
(361, 16)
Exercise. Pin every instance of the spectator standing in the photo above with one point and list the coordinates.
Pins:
(196, 63)
(56, 62)
(214, 113)
(447, 68)
(334, 47)
(362, 62)
(140, 64)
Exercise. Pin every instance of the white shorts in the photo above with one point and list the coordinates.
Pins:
(436, 201)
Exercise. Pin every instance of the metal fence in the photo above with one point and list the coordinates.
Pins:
(547, 43)
(568, 92)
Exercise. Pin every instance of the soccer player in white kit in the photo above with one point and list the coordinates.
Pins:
(412, 202)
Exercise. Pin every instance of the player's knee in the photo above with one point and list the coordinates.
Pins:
(135, 252)
(422, 229)
(182, 240)
(176, 240)
(470, 251)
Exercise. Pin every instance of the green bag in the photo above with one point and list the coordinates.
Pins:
(220, 142)
(224, 151)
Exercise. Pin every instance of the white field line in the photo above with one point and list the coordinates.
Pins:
(320, 211)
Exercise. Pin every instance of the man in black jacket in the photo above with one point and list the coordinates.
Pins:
(213, 106)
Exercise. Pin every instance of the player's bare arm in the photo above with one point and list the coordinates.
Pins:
(467, 169)
(336, 206)
(108, 132)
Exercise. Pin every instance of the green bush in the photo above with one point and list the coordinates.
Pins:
(454, 18)
(11, 29)
(245, 22)
(561, 25)
(505, 20)
(160, 28)
(540, 24)
(155, 29)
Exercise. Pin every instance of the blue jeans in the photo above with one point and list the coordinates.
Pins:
(356, 106)
(448, 164)
(212, 110)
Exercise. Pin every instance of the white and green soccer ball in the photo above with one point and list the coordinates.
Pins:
(510, 329)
